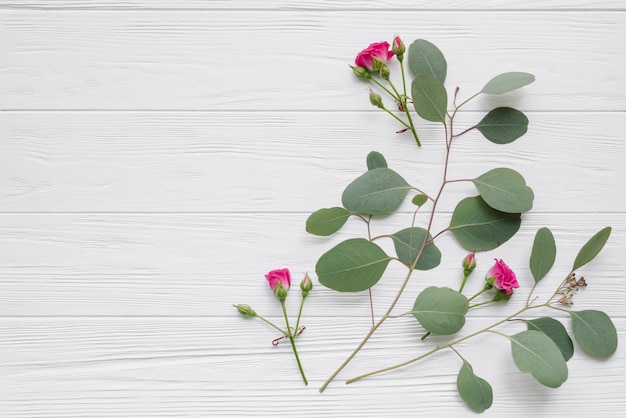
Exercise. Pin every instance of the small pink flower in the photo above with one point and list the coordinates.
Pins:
(502, 277)
(374, 56)
(280, 276)
(398, 47)
(469, 263)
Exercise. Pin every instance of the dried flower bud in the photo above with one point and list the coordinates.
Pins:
(245, 310)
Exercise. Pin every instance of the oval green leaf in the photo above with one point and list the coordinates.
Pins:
(475, 391)
(594, 332)
(419, 199)
(506, 82)
(503, 125)
(376, 160)
(326, 221)
(408, 243)
(440, 310)
(543, 254)
(535, 353)
(505, 190)
(591, 248)
(426, 58)
(352, 266)
(429, 97)
(377, 192)
(557, 333)
(479, 227)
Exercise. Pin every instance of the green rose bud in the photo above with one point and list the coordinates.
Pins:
(376, 100)
(245, 310)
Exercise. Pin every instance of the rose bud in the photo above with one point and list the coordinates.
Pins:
(398, 47)
(245, 310)
(280, 276)
(372, 57)
(376, 100)
(361, 72)
(306, 285)
(469, 263)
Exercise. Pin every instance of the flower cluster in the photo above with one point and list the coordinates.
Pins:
(280, 282)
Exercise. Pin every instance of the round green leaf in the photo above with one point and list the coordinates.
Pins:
(426, 58)
(505, 190)
(429, 97)
(419, 199)
(503, 125)
(591, 248)
(326, 221)
(535, 353)
(506, 82)
(479, 227)
(377, 192)
(376, 160)
(440, 310)
(352, 266)
(475, 391)
(594, 332)
(543, 254)
(408, 243)
(557, 333)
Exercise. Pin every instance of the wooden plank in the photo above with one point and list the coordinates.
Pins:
(201, 264)
(218, 60)
(256, 161)
(128, 367)
(295, 5)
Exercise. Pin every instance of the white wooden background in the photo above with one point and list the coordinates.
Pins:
(158, 157)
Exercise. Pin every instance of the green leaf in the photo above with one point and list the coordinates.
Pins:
(505, 190)
(479, 227)
(440, 310)
(503, 125)
(506, 82)
(543, 254)
(376, 160)
(408, 243)
(426, 58)
(326, 221)
(352, 266)
(429, 98)
(419, 199)
(591, 248)
(535, 353)
(557, 333)
(377, 192)
(594, 332)
(475, 391)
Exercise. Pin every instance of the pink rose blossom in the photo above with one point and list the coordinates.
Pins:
(280, 276)
(502, 277)
(377, 51)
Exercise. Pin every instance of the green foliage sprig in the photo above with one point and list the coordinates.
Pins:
(479, 223)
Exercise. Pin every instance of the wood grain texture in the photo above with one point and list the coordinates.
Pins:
(162, 367)
(225, 162)
(158, 157)
(287, 60)
(394, 5)
(201, 264)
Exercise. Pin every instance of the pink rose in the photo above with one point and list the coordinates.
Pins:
(374, 55)
(281, 276)
(502, 277)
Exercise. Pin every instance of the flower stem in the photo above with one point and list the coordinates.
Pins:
(482, 303)
(293, 343)
(480, 292)
(299, 314)
(270, 324)
(404, 106)
(441, 347)
(465, 276)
